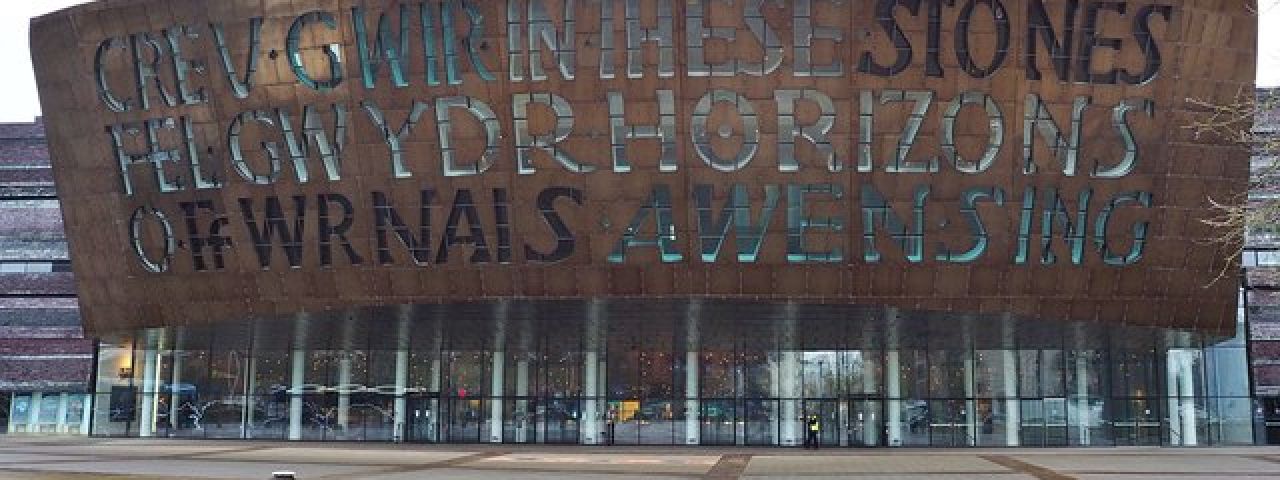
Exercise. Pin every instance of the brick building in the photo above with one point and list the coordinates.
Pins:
(44, 357)
(1261, 299)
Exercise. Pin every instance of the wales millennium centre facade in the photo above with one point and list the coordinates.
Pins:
(929, 223)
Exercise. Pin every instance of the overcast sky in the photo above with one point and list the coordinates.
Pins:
(20, 103)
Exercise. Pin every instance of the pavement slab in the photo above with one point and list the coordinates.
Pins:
(195, 469)
(912, 476)
(8, 458)
(142, 450)
(1187, 462)
(860, 464)
(341, 456)
(602, 462)
(157, 459)
(463, 474)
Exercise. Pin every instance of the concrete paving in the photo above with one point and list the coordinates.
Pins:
(45, 458)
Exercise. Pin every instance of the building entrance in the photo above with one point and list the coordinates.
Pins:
(864, 423)
(1141, 423)
(830, 424)
(1271, 415)
(719, 421)
(424, 419)
(639, 381)
(760, 421)
(5, 400)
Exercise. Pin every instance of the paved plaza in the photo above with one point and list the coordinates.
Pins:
(50, 458)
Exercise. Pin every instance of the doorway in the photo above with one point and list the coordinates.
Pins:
(719, 421)
(1138, 422)
(829, 424)
(5, 400)
(865, 423)
(424, 419)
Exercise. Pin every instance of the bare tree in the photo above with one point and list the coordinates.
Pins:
(1252, 121)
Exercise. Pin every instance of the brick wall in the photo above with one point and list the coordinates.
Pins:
(42, 344)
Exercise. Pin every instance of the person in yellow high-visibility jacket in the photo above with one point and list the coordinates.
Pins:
(812, 427)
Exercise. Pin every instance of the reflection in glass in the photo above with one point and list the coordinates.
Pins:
(661, 373)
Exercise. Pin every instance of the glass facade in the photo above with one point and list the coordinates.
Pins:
(41, 412)
(674, 372)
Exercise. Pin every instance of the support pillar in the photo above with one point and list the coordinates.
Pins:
(590, 425)
(433, 383)
(966, 371)
(250, 385)
(692, 370)
(789, 379)
(843, 412)
(1012, 406)
(175, 382)
(250, 399)
(602, 376)
(1187, 394)
(590, 430)
(693, 410)
(400, 409)
(344, 391)
(13, 407)
(1173, 408)
(525, 415)
(522, 414)
(150, 377)
(893, 393)
(61, 426)
(1083, 416)
(435, 372)
(496, 396)
(297, 373)
(85, 413)
(892, 380)
(343, 420)
(788, 383)
(33, 413)
(970, 405)
(1009, 364)
(497, 377)
(297, 377)
(869, 415)
(1181, 397)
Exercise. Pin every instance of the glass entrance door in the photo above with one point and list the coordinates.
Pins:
(641, 422)
(829, 424)
(865, 423)
(1271, 415)
(761, 418)
(424, 419)
(518, 425)
(4, 411)
(719, 420)
(463, 419)
(1138, 423)
(949, 424)
(556, 420)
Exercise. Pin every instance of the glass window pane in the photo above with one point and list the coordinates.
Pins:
(946, 373)
(995, 373)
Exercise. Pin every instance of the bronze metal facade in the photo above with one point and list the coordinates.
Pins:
(219, 160)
